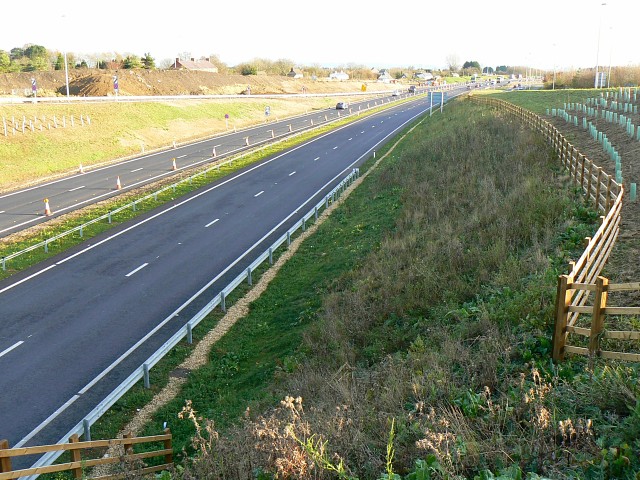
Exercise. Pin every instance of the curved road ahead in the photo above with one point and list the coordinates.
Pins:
(77, 325)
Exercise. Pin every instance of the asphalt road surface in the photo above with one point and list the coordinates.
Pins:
(23, 208)
(75, 326)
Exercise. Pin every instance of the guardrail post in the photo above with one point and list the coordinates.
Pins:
(315, 213)
(563, 298)
(288, 239)
(249, 276)
(145, 375)
(87, 429)
(4, 264)
(109, 216)
(326, 201)
(303, 224)
(223, 303)
(5, 462)
(81, 233)
(270, 256)
(597, 318)
(46, 246)
(75, 456)
(189, 334)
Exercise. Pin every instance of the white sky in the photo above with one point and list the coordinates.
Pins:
(420, 33)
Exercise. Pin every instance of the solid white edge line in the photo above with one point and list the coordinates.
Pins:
(46, 422)
(136, 270)
(116, 362)
(7, 350)
(26, 278)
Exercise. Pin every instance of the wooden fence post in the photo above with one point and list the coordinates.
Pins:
(597, 207)
(563, 298)
(128, 447)
(5, 462)
(581, 156)
(75, 456)
(168, 458)
(597, 318)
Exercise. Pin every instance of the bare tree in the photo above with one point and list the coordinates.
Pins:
(453, 62)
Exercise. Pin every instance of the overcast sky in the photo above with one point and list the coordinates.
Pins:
(420, 33)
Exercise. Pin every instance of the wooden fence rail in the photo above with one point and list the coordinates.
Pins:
(583, 280)
(78, 463)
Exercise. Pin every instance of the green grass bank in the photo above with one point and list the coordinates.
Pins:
(411, 336)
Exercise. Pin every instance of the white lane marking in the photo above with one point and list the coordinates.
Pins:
(204, 288)
(292, 173)
(136, 270)
(211, 223)
(316, 159)
(335, 148)
(7, 350)
(362, 131)
(351, 139)
(137, 170)
(46, 422)
(182, 156)
(25, 279)
(77, 188)
(2, 211)
(259, 193)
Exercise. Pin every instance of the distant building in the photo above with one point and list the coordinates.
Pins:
(338, 76)
(203, 65)
(295, 73)
(384, 76)
(424, 76)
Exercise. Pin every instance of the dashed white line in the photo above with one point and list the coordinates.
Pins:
(259, 193)
(292, 173)
(136, 270)
(2, 211)
(182, 156)
(351, 139)
(316, 159)
(335, 148)
(7, 350)
(211, 223)
(137, 170)
(77, 188)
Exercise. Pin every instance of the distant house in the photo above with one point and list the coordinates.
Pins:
(423, 76)
(338, 76)
(384, 76)
(295, 73)
(203, 65)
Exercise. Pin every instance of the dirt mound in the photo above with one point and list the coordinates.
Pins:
(98, 83)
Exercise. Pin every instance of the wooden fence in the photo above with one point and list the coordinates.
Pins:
(583, 284)
(78, 463)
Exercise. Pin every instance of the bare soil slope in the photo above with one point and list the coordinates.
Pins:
(170, 82)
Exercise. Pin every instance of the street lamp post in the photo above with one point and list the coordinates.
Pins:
(596, 81)
(66, 73)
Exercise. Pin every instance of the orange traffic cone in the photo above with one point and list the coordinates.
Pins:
(118, 184)
(47, 210)
(173, 165)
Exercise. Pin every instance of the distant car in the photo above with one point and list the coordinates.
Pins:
(412, 89)
(395, 93)
(342, 106)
